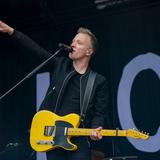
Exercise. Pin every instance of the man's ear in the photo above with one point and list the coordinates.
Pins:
(89, 52)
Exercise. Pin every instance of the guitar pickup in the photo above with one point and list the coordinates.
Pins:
(48, 130)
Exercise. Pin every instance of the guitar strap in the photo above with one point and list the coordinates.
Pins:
(87, 94)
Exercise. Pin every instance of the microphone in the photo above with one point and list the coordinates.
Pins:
(65, 47)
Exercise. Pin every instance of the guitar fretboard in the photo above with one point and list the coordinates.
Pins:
(87, 132)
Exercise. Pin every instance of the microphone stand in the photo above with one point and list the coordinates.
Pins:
(31, 73)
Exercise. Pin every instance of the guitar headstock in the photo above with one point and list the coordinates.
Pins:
(137, 134)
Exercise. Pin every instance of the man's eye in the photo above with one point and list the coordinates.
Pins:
(79, 42)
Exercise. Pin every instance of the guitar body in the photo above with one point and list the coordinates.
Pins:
(56, 134)
(50, 131)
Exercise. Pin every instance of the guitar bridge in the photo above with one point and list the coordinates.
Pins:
(43, 142)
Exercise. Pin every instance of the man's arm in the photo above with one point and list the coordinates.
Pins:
(101, 106)
(24, 41)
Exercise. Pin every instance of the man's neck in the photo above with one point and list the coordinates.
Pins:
(80, 66)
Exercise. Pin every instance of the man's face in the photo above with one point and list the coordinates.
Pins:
(82, 47)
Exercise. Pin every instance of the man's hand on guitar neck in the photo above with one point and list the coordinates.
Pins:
(96, 135)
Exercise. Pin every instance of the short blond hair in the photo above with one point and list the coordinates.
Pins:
(94, 41)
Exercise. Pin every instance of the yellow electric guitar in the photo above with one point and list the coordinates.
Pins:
(49, 131)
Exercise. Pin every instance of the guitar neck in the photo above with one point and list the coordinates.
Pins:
(87, 132)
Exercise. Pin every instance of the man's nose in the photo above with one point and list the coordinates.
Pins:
(73, 44)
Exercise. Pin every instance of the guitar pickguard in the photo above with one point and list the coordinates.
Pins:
(61, 138)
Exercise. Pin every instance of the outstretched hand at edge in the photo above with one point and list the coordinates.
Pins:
(4, 28)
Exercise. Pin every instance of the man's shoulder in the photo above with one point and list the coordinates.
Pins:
(100, 79)
(100, 76)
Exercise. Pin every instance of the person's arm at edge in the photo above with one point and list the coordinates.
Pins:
(24, 41)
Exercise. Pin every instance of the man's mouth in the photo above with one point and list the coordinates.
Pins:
(73, 51)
